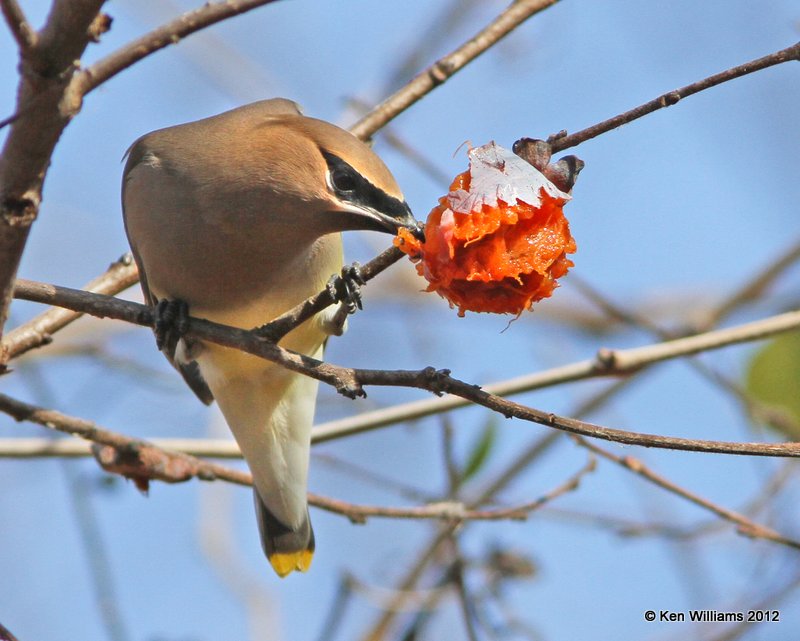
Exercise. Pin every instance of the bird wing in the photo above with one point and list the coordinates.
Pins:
(189, 370)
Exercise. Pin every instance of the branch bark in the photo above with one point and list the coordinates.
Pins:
(350, 381)
(562, 141)
(39, 331)
(18, 24)
(746, 526)
(45, 105)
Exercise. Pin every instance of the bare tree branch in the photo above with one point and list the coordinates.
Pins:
(39, 331)
(350, 381)
(18, 24)
(562, 141)
(630, 528)
(415, 410)
(746, 526)
(65, 34)
(440, 71)
(5, 634)
(136, 457)
(323, 432)
(45, 105)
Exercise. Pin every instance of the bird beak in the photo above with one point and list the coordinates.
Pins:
(408, 221)
(402, 217)
(389, 220)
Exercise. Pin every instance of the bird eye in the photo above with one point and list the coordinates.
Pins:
(342, 180)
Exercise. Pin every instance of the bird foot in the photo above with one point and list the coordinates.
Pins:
(346, 288)
(170, 322)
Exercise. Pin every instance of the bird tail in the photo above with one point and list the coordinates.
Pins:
(287, 549)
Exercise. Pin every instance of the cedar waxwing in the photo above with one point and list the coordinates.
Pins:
(238, 216)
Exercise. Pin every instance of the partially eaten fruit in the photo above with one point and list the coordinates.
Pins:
(498, 242)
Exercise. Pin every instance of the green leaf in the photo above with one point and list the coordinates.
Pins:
(773, 377)
(479, 453)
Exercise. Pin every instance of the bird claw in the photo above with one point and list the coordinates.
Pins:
(346, 288)
(170, 322)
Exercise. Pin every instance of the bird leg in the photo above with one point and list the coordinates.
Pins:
(170, 323)
(346, 288)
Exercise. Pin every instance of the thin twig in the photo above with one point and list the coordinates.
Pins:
(456, 511)
(386, 599)
(337, 608)
(404, 148)
(417, 158)
(439, 27)
(350, 381)
(47, 104)
(18, 24)
(9, 119)
(440, 71)
(630, 528)
(623, 527)
(570, 485)
(5, 634)
(559, 142)
(746, 526)
(167, 34)
(39, 330)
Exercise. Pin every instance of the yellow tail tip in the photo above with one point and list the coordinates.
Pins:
(286, 563)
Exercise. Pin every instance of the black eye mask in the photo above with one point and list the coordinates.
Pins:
(351, 187)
